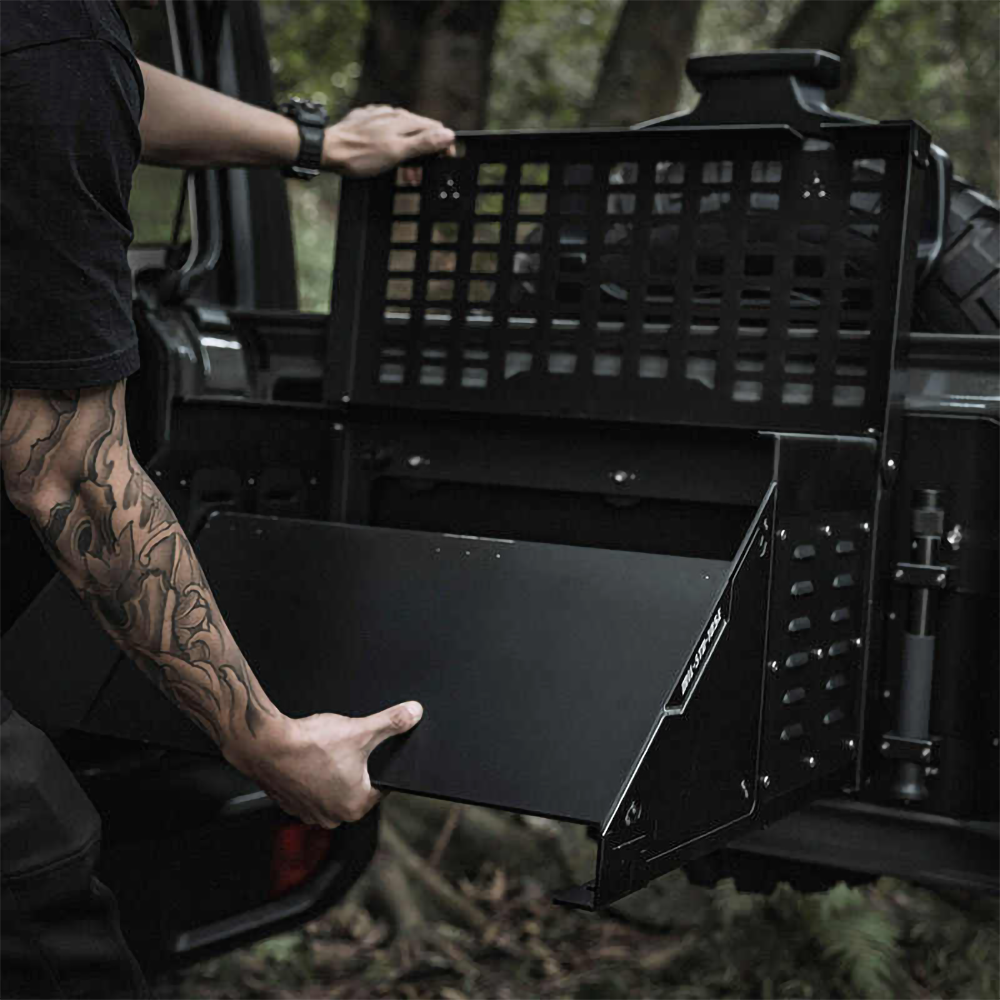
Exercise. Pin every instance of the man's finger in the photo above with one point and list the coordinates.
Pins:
(393, 721)
(432, 141)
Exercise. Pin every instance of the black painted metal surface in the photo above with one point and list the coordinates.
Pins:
(727, 276)
(541, 668)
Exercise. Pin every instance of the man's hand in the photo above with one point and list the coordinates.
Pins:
(317, 768)
(377, 137)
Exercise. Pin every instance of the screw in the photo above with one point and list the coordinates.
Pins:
(899, 574)
(772, 665)
(765, 781)
(885, 745)
(866, 527)
(941, 578)
(826, 530)
(415, 461)
(809, 762)
(926, 753)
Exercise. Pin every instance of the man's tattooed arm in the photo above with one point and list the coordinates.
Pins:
(68, 466)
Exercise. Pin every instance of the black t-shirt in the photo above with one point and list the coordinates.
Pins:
(71, 95)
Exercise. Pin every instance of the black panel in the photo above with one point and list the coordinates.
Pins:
(723, 277)
(541, 667)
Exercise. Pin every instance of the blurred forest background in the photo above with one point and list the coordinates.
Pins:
(501, 64)
(456, 904)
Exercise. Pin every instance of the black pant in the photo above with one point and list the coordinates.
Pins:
(59, 932)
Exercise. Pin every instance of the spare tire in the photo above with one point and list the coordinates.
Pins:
(962, 292)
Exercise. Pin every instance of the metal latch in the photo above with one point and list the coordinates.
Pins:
(915, 575)
(916, 751)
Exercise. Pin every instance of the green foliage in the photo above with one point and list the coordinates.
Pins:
(861, 941)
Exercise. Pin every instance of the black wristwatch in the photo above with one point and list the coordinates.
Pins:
(311, 119)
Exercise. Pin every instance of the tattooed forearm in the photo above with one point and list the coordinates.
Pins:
(69, 466)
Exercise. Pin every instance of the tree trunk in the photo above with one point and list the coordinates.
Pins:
(823, 24)
(430, 56)
(644, 64)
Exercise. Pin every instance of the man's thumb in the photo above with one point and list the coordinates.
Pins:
(390, 722)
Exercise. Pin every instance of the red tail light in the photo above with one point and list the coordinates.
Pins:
(298, 852)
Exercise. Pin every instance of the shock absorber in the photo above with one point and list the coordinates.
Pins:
(917, 675)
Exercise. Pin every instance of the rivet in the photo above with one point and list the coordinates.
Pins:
(443, 194)
(345, 398)
(338, 427)
(251, 481)
(886, 693)
(885, 745)
(184, 482)
(822, 194)
(805, 194)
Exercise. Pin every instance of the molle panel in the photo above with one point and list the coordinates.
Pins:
(727, 277)
(814, 656)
